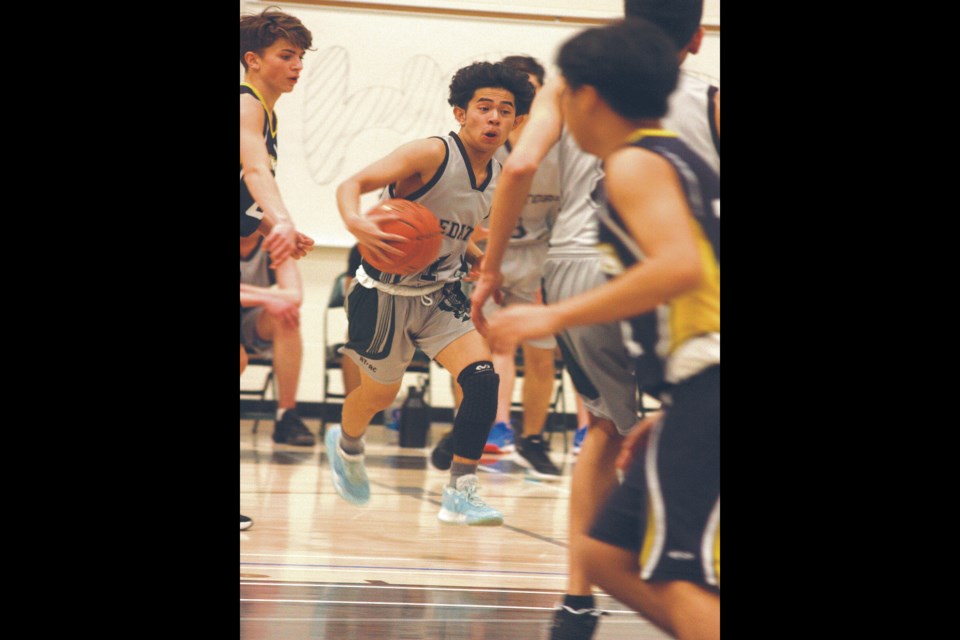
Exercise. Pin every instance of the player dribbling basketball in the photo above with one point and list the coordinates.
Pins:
(390, 315)
(421, 233)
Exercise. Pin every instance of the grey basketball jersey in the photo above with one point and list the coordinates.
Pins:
(580, 175)
(460, 204)
(255, 270)
(543, 202)
(689, 115)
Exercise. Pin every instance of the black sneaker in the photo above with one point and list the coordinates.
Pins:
(245, 522)
(533, 450)
(292, 430)
(442, 454)
(574, 624)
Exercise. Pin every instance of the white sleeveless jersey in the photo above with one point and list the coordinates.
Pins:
(580, 175)
(543, 202)
(460, 204)
(689, 115)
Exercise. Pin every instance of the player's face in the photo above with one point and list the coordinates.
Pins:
(489, 117)
(280, 65)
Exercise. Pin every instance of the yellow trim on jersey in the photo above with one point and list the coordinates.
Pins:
(649, 535)
(716, 555)
(263, 104)
(640, 134)
(697, 312)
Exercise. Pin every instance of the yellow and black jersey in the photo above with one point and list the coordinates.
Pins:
(250, 213)
(681, 337)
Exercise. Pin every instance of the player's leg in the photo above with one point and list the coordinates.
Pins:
(380, 347)
(537, 391)
(501, 436)
(345, 446)
(470, 357)
(286, 346)
(601, 371)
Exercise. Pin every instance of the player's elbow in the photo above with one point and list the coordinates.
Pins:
(519, 168)
(256, 172)
(689, 275)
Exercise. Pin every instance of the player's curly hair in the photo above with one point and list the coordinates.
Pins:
(527, 64)
(259, 31)
(478, 75)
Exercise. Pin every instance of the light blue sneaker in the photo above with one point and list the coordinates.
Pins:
(500, 439)
(463, 506)
(578, 437)
(349, 475)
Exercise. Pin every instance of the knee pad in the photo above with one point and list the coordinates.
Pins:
(480, 384)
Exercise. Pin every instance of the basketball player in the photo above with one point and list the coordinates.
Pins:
(523, 271)
(279, 304)
(694, 110)
(596, 359)
(270, 335)
(390, 315)
(272, 45)
(577, 617)
(655, 545)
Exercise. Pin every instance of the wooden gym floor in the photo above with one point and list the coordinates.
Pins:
(315, 566)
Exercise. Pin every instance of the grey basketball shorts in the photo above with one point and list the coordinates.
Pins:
(249, 338)
(522, 270)
(385, 330)
(595, 356)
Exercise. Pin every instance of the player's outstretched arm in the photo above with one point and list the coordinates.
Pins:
(281, 235)
(655, 212)
(541, 132)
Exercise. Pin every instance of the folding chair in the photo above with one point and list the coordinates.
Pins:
(266, 409)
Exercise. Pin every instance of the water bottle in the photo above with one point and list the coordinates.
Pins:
(414, 419)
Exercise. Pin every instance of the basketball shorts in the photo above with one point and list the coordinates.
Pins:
(595, 357)
(522, 270)
(385, 330)
(668, 507)
(249, 338)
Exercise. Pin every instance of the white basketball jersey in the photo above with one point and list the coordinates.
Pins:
(460, 204)
(580, 175)
(689, 116)
(543, 202)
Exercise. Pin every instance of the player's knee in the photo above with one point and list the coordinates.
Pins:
(376, 397)
(480, 384)
(538, 363)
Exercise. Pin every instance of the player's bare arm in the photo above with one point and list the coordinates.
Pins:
(281, 236)
(409, 167)
(656, 213)
(541, 132)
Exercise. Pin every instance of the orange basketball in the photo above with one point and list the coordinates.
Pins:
(416, 223)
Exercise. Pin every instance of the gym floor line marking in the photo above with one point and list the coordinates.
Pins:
(394, 586)
(408, 569)
(438, 605)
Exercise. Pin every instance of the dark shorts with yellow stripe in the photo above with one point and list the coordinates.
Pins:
(668, 507)
(385, 330)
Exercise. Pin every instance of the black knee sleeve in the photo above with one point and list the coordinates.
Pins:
(480, 384)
